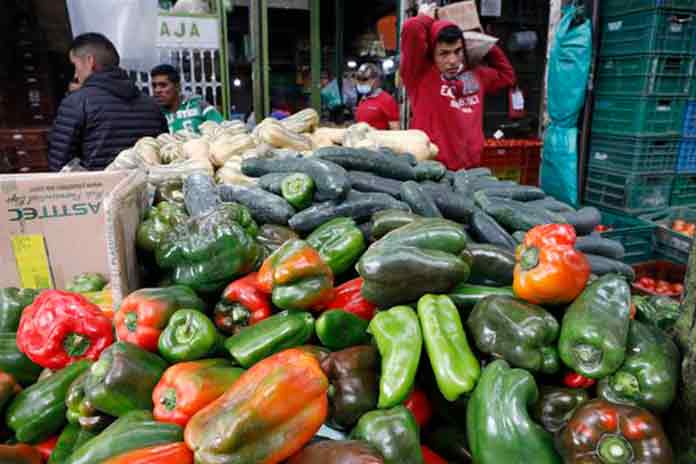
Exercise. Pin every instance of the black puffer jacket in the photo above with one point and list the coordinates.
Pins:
(107, 115)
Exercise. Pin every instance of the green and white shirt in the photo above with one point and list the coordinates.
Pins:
(192, 112)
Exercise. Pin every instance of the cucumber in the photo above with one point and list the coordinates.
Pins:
(265, 207)
(551, 204)
(465, 296)
(515, 215)
(368, 182)
(273, 182)
(200, 194)
(476, 172)
(490, 263)
(360, 159)
(420, 202)
(359, 206)
(453, 205)
(430, 170)
(331, 179)
(596, 245)
(584, 220)
(410, 158)
(486, 230)
(519, 192)
(385, 221)
(601, 265)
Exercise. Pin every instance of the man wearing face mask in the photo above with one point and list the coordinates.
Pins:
(446, 92)
(377, 108)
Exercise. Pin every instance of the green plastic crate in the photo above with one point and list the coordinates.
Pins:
(643, 155)
(668, 242)
(638, 117)
(646, 75)
(621, 7)
(636, 236)
(627, 193)
(684, 190)
(649, 32)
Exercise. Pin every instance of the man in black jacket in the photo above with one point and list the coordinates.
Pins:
(106, 115)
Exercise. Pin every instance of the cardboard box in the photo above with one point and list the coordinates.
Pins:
(464, 14)
(55, 226)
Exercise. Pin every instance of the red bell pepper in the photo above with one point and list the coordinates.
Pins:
(419, 405)
(45, 448)
(59, 328)
(243, 304)
(348, 298)
(145, 313)
(575, 380)
(186, 388)
(159, 454)
(20, 454)
(431, 457)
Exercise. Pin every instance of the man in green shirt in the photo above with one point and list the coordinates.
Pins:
(182, 112)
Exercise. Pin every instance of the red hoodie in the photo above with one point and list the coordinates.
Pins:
(454, 122)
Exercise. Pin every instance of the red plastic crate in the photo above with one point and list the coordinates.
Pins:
(504, 158)
(659, 270)
(531, 163)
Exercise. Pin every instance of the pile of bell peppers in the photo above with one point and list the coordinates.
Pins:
(283, 354)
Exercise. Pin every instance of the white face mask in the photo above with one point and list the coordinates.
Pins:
(364, 89)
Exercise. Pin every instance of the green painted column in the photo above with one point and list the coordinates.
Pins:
(315, 46)
(340, 29)
(258, 27)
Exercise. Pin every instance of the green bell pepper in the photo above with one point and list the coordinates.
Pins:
(80, 411)
(298, 190)
(649, 375)
(658, 311)
(170, 190)
(207, 252)
(393, 432)
(499, 427)
(354, 386)
(450, 442)
(399, 341)
(465, 295)
(556, 406)
(521, 333)
(189, 335)
(135, 430)
(455, 366)
(272, 236)
(161, 220)
(71, 438)
(594, 330)
(123, 379)
(12, 303)
(86, 282)
(270, 336)
(39, 411)
(338, 329)
(340, 243)
(13, 361)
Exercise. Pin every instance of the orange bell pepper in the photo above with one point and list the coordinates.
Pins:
(160, 454)
(188, 387)
(549, 269)
(268, 415)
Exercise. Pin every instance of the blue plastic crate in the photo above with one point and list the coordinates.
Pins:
(689, 127)
(686, 163)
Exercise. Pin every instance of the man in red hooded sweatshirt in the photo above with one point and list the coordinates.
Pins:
(446, 93)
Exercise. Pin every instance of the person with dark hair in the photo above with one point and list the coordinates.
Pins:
(445, 90)
(105, 114)
(377, 108)
(182, 112)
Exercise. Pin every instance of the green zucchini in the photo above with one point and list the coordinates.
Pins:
(601, 265)
(360, 159)
(200, 194)
(430, 170)
(265, 207)
(368, 182)
(359, 206)
(453, 205)
(518, 192)
(420, 202)
(366, 229)
(551, 204)
(596, 245)
(515, 215)
(273, 182)
(409, 158)
(584, 220)
(331, 180)
(490, 263)
(466, 295)
(486, 230)
(385, 221)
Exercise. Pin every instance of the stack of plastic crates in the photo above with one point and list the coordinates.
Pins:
(645, 78)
